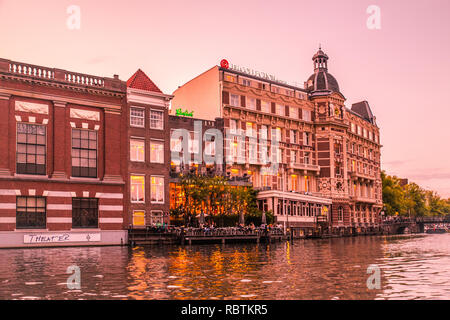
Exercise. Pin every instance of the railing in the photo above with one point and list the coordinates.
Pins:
(83, 79)
(31, 70)
(44, 73)
(304, 166)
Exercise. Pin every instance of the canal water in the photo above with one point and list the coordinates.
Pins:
(411, 267)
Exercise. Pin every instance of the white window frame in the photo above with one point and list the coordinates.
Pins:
(151, 189)
(157, 142)
(162, 119)
(137, 155)
(143, 117)
(131, 182)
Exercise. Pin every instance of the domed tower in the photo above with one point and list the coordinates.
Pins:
(321, 82)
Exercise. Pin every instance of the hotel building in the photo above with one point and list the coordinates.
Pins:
(326, 156)
(61, 165)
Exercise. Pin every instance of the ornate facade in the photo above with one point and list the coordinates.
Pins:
(326, 156)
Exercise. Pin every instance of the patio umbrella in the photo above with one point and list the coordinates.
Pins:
(263, 219)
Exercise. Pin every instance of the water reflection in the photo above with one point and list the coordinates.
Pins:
(413, 267)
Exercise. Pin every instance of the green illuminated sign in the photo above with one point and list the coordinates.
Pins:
(185, 113)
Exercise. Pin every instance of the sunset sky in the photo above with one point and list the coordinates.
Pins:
(402, 70)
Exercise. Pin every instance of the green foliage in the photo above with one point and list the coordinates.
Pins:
(411, 199)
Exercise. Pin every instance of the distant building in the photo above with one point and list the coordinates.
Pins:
(327, 156)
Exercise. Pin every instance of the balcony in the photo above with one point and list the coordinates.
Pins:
(360, 175)
(363, 199)
(304, 166)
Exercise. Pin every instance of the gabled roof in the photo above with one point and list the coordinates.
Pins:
(141, 81)
(363, 110)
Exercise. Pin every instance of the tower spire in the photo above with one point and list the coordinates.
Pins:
(320, 60)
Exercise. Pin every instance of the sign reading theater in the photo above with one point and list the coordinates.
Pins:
(61, 237)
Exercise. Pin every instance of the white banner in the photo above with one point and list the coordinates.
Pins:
(61, 237)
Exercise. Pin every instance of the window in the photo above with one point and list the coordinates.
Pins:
(84, 213)
(263, 132)
(138, 218)
(84, 153)
(307, 183)
(137, 150)
(306, 158)
(234, 100)
(276, 134)
(306, 115)
(293, 112)
(137, 117)
(156, 119)
(353, 128)
(279, 109)
(210, 148)
(157, 189)
(306, 138)
(233, 126)
(137, 188)
(246, 82)
(230, 78)
(341, 214)
(294, 156)
(30, 213)
(265, 106)
(359, 130)
(293, 136)
(157, 151)
(193, 143)
(294, 182)
(251, 129)
(251, 103)
(156, 217)
(31, 149)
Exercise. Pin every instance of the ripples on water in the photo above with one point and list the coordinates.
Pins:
(412, 267)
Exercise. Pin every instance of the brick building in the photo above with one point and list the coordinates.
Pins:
(61, 164)
(147, 188)
(304, 134)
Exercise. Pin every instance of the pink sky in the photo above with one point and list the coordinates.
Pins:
(402, 70)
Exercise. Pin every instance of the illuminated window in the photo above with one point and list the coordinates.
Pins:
(265, 180)
(234, 100)
(353, 128)
(137, 118)
(137, 150)
(137, 188)
(235, 171)
(230, 78)
(157, 189)
(138, 218)
(156, 119)
(294, 182)
(307, 184)
(251, 129)
(157, 151)
(31, 147)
